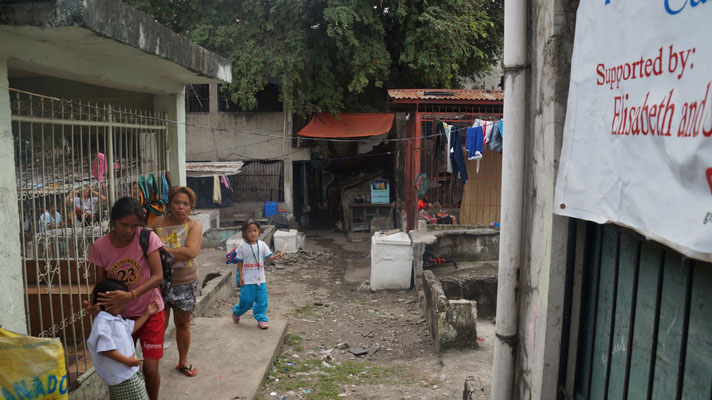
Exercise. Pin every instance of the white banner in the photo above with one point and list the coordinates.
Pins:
(637, 147)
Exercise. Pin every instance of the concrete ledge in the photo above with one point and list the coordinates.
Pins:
(91, 387)
(209, 218)
(124, 24)
(468, 244)
(266, 235)
(453, 323)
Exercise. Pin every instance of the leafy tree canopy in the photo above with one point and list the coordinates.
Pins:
(339, 55)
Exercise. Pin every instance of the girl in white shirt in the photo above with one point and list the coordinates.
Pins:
(250, 256)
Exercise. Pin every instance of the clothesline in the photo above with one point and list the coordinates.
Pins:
(480, 134)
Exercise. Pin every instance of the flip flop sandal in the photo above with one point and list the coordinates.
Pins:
(187, 371)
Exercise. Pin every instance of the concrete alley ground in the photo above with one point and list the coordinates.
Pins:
(324, 297)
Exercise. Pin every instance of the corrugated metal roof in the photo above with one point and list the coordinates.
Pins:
(446, 94)
(197, 169)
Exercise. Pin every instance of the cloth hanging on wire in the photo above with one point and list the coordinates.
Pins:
(496, 140)
(457, 157)
(217, 194)
(449, 131)
(99, 167)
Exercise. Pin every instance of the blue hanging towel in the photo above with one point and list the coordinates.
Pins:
(166, 187)
(497, 141)
(474, 143)
(457, 157)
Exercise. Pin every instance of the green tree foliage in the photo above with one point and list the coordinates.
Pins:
(337, 55)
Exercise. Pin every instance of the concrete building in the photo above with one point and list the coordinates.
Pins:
(81, 82)
(219, 130)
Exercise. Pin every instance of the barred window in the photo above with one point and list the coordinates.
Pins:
(267, 100)
(260, 181)
(197, 98)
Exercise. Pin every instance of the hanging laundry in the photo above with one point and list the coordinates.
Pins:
(457, 156)
(165, 187)
(226, 182)
(217, 194)
(474, 143)
(496, 143)
(488, 132)
(448, 133)
(440, 138)
(99, 167)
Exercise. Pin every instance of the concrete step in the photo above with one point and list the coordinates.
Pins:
(232, 359)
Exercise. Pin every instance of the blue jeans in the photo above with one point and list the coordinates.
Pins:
(255, 297)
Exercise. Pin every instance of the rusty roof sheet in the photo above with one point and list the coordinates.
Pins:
(446, 94)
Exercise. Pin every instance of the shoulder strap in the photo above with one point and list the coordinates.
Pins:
(143, 239)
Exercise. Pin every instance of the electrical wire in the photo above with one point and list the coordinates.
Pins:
(213, 129)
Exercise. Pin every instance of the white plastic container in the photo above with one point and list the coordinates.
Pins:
(286, 237)
(391, 261)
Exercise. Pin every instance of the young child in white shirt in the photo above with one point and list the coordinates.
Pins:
(250, 256)
(112, 348)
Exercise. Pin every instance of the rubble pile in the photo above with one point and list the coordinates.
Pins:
(305, 258)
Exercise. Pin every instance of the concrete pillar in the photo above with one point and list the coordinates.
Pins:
(288, 178)
(213, 98)
(173, 105)
(12, 308)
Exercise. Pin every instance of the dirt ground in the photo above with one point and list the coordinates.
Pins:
(323, 293)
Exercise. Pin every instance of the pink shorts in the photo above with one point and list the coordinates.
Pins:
(151, 335)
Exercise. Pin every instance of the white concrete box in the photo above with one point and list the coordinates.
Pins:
(209, 218)
(286, 237)
(391, 261)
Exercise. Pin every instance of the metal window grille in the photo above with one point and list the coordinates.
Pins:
(267, 100)
(62, 150)
(197, 98)
(482, 204)
(260, 181)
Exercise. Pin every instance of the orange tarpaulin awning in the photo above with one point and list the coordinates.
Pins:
(325, 125)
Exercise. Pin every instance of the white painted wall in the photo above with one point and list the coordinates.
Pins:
(12, 306)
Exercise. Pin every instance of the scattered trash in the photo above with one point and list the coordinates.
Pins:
(435, 387)
(342, 345)
(480, 339)
(326, 365)
(273, 394)
(367, 333)
(373, 349)
(358, 352)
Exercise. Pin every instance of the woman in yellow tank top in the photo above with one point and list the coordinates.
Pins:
(182, 237)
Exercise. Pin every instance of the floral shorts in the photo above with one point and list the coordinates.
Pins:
(182, 296)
